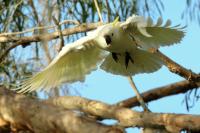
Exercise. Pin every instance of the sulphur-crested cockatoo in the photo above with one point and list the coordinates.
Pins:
(120, 48)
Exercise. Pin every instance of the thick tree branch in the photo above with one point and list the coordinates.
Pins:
(37, 116)
(127, 117)
(160, 92)
(26, 113)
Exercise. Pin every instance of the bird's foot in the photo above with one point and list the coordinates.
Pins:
(127, 59)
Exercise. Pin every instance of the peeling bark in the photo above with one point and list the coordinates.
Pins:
(24, 113)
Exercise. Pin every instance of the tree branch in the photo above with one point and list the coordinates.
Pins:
(178, 69)
(160, 92)
(25, 113)
(128, 117)
(49, 36)
(41, 116)
(9, 34)
(25, 41)
(191, 82)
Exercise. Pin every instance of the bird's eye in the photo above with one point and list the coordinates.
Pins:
(108, 39)
(112, 34)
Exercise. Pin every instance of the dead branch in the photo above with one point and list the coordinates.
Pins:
(128, 117)
(39, 117)
(160, 92)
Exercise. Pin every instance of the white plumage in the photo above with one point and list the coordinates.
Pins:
(120, 48)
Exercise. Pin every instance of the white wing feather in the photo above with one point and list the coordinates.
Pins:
(148, 35)
(73, 62)
(143, 62)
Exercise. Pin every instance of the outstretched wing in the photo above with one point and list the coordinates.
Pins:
(73, 62)
(142, 62)
(148, 35)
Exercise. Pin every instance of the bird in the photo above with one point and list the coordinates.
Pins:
(120, 48)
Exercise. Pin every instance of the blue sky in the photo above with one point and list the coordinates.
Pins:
(110, 88)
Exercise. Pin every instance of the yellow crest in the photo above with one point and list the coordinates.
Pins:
(115, 21)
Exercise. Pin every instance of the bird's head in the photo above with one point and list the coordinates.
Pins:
(108, 34)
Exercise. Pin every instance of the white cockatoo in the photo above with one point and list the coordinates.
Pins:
(120, 48)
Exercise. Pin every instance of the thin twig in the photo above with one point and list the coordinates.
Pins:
(108, 8)
(60, 33)
(14, 8)
(98, 10)
(39, 28)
